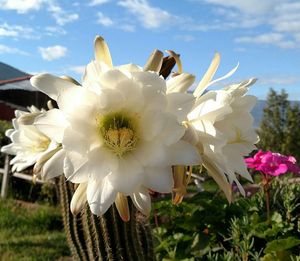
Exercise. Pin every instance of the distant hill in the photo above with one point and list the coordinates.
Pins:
(257, 111)
(8, 72)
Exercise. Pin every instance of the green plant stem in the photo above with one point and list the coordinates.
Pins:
(266, 186)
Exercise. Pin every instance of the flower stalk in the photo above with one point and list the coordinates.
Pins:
(266, 187)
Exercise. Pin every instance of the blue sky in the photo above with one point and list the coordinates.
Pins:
(57, 36)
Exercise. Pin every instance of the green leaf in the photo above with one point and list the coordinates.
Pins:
(281, 244)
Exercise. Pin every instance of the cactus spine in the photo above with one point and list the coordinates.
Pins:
(105, 237)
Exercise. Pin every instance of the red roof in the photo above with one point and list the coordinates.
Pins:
(18, 79)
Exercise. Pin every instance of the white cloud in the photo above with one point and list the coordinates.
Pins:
(77, 69)
(11, 50)
(249, 7)
(240, 49)
(278, 21)
(60, 15)
(21, 6)
(98, 2)
(52, 52)
(127, 27)
(149, 16)
(104, 20)
(17, 31)
(54, 30)
(185, 37)
(7, 32)
(268, 38)
(121, 24)
(275, 81)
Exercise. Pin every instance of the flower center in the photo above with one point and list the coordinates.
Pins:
(41, 145)
(119, 132)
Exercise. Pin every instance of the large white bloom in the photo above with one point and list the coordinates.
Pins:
(221, 127)
(30, 145)
(225, 129)
(120, 131)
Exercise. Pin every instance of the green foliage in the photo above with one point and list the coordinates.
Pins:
(31, 232)
(279, 245)
(279, 130)
(292, 133)
(206, 227)
(273, 125)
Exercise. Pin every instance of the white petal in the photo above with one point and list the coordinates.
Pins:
(213, 67)
(212, 106)
(50, 84)
(121, 203)
(191, 136)
(76, 168)
(132, 95)
(155, 61)
(172, 131)
(180, 83)
(52, 123)
(152, 122)
(75, 141)
(152, 153)
(9, 149)
(112, 100)
(130, 67)
(79, 102)
(102, 52)
(54, 166)
(227, 75)
(151, 80)
(180, 104)
(154, 89)
(159, 179)
(245, 103)
(92, 74)
(112, 78)
(102, 163)
(100, 195)
(218, 176)
(9, 132)
(79, 199)
(142, 200)
(183, 153)
(128, 176)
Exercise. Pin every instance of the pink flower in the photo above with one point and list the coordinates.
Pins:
(272, 163)
(255, 162)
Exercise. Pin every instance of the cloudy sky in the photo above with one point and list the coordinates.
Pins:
(57, 36)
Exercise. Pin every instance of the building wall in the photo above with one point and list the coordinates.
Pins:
(6, 112)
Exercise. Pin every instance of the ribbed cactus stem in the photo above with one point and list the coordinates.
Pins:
(71, 223)
(105, 237)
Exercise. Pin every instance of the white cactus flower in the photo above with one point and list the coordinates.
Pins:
(224, 126)
(31, 146)
(120, 131)
(220, 125)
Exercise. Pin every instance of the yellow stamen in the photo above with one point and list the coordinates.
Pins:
(238, 137)
(120, 141)
(41, 145)
(118, 131)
